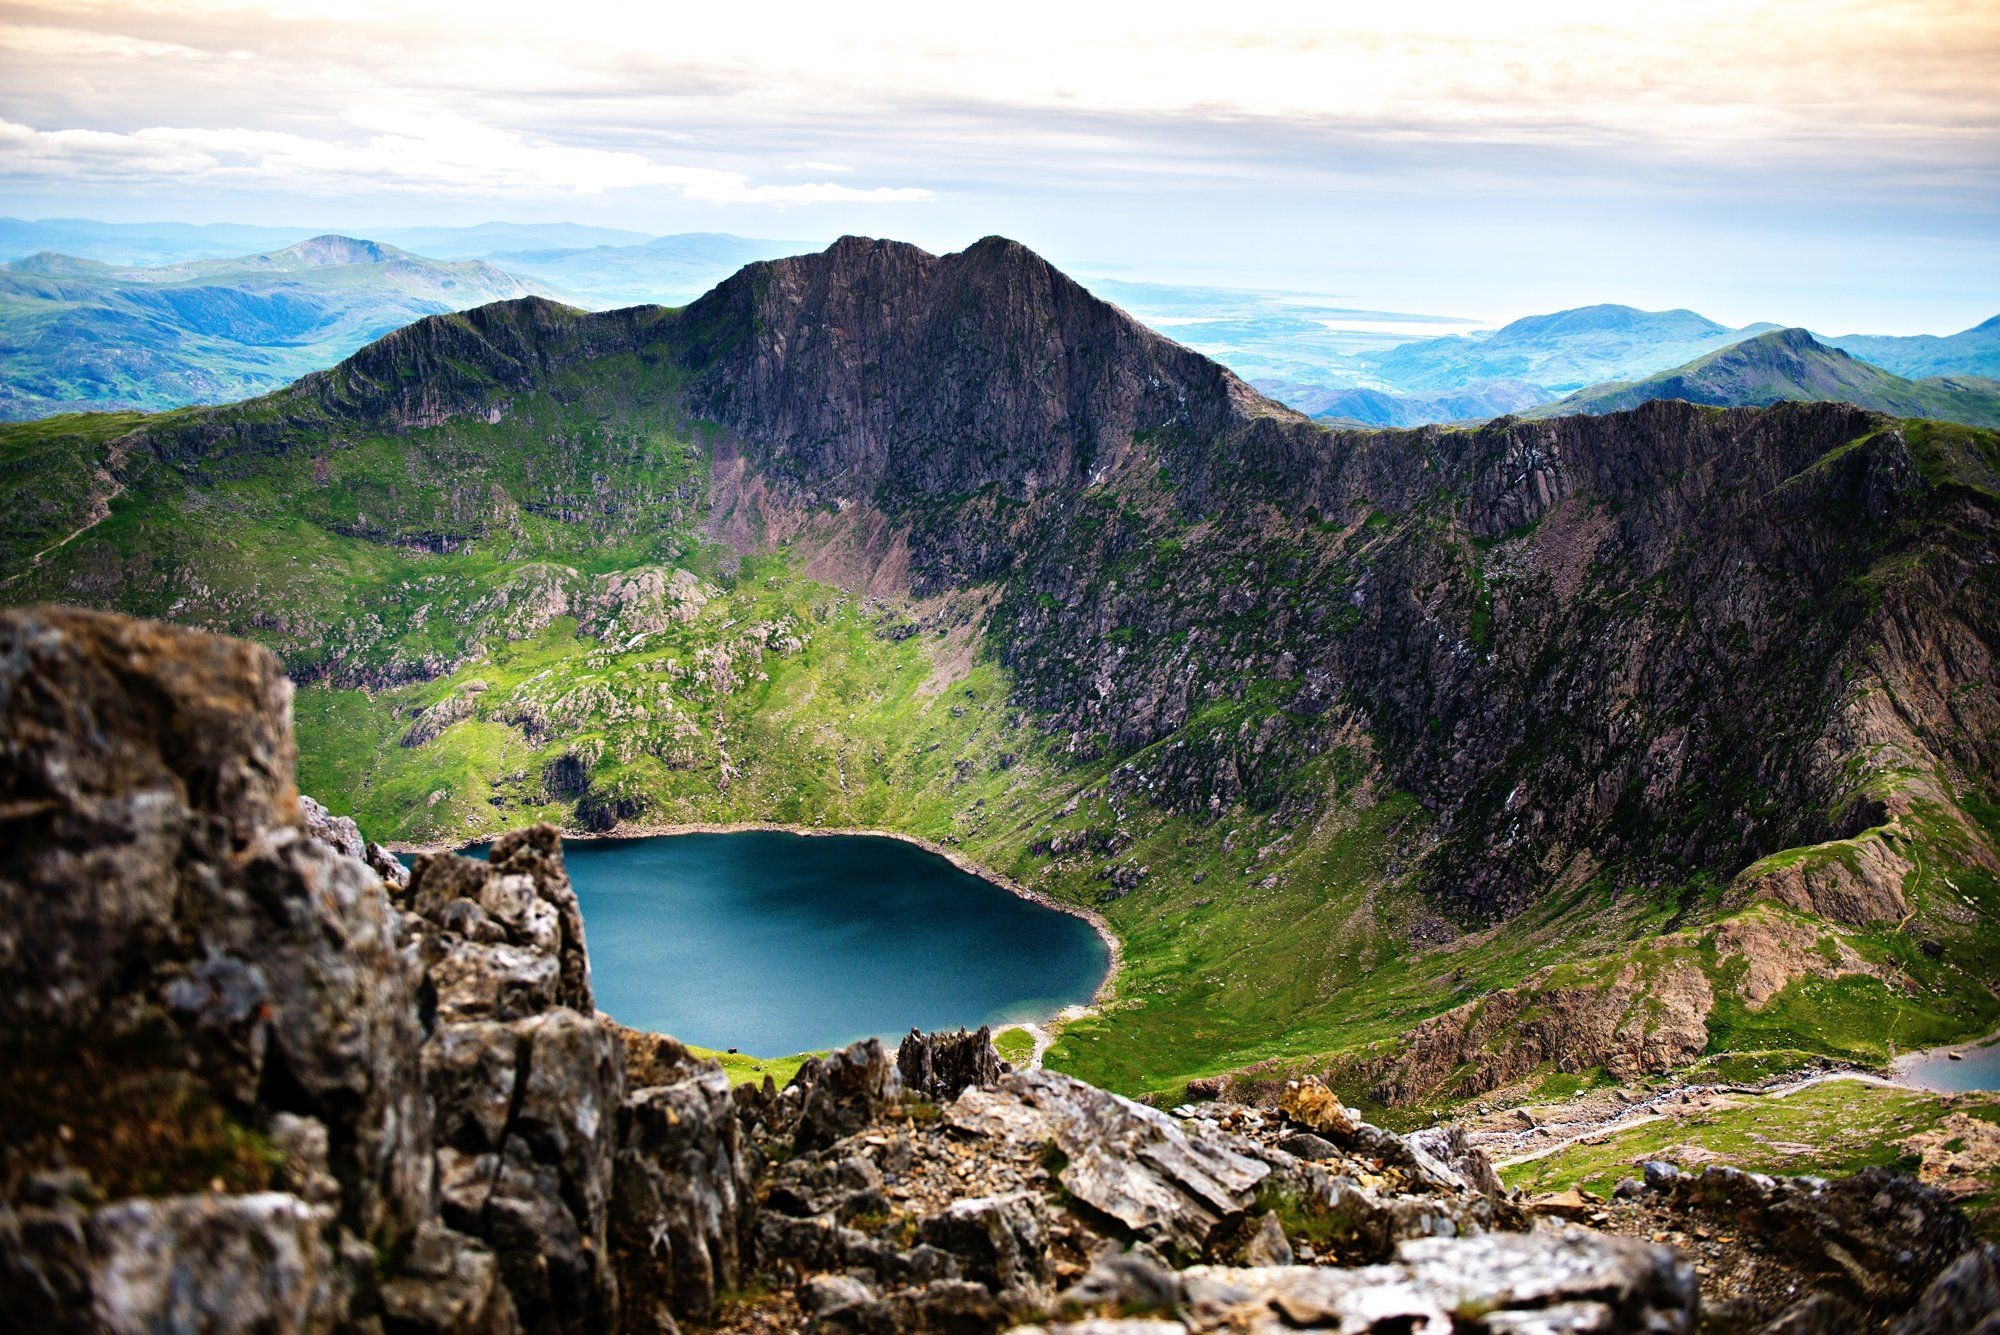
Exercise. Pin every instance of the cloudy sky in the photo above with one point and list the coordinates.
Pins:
(1826, 162)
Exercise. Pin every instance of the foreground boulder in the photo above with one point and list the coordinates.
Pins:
(257, 1078)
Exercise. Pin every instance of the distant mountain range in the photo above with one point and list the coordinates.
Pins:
(167, 243)
(96, 314)
(1974, 351)
(82, 334)
(1375, 407)
(662, 271)
(1570, 361)
(1791, 365)
(1564, 351)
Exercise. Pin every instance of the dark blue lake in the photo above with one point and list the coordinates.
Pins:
(779, 943)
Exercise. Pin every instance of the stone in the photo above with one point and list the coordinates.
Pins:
(1130, 1162)
(841, 1093)
(1267, 1244)
(1313, 1106)
(447, 1282)
(1487, 1284)
(1001, 1241)
(210, 1262)
(683, 1212)
(1130, 1282)
(938, 1066)
(1306, 1145)
(941, 1307)
(1878, 1238)
(1965, 1297)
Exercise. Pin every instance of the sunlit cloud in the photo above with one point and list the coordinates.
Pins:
(428, 151)
(1449, 142)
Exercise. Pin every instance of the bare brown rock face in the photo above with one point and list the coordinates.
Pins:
(1653, 641)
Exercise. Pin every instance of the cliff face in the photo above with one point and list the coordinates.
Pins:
(1641, 650)
(260, 1078)
(876, 368)
(1631, 640)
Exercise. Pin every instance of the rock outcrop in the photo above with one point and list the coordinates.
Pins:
(256, 1083)
(258, 1078)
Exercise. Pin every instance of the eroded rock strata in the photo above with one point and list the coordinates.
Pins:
(259, 1080)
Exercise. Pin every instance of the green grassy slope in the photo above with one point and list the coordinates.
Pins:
(1256, 939)
(1790, 365)
(515, 610)
(77, 334)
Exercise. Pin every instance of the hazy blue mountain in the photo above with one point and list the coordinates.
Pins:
(1375, 407)
(78, 333)
(1974, 351)
(1300, 342)
(667, 270)
(1790, 364)
(139, 243)
(1561, 351)
(485, 240)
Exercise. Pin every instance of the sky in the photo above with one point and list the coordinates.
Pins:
(1834, 163)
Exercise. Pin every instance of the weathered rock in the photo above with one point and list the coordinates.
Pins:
(1877, 1237)
(840, 1093)
(941, 1307)
(156, 882)
(521, 886)
(1123, 1159)
(1964, 1298)
(209, 1262)
(1267, 1244)
(447, 1282)
(1127, 1282)
(683, 1216)
(1502, 1282)
(939, 1065)
(1315, 1107)
(1001, 1242)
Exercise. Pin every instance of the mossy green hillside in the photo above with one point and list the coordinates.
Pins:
(1827, 1129)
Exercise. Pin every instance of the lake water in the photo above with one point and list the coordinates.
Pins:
(1979, 1067)
(778, 943)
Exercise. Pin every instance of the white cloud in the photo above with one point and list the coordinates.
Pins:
(429, 151)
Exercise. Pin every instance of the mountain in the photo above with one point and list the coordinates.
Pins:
(1790, 365)
(262, 1077)
(139, 243)
(1434, 762)
(80, 334)
(485, 240)
(1974, 351)
(1562, 351)
(1374, 407)
(667, 270)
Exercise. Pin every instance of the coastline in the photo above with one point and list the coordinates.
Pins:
(1106, 987)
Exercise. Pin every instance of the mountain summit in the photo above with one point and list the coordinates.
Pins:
(1338, 731)
(1791, 365)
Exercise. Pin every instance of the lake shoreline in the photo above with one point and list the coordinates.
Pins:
(1977, 1055)
(1106, 988)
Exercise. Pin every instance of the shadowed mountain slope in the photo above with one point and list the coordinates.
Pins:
(1337, 729)
(80, 334)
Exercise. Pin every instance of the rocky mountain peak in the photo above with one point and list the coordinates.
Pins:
(875, 365)
(334, 249)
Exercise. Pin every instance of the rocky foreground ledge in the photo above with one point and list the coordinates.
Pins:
(257, 1078)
